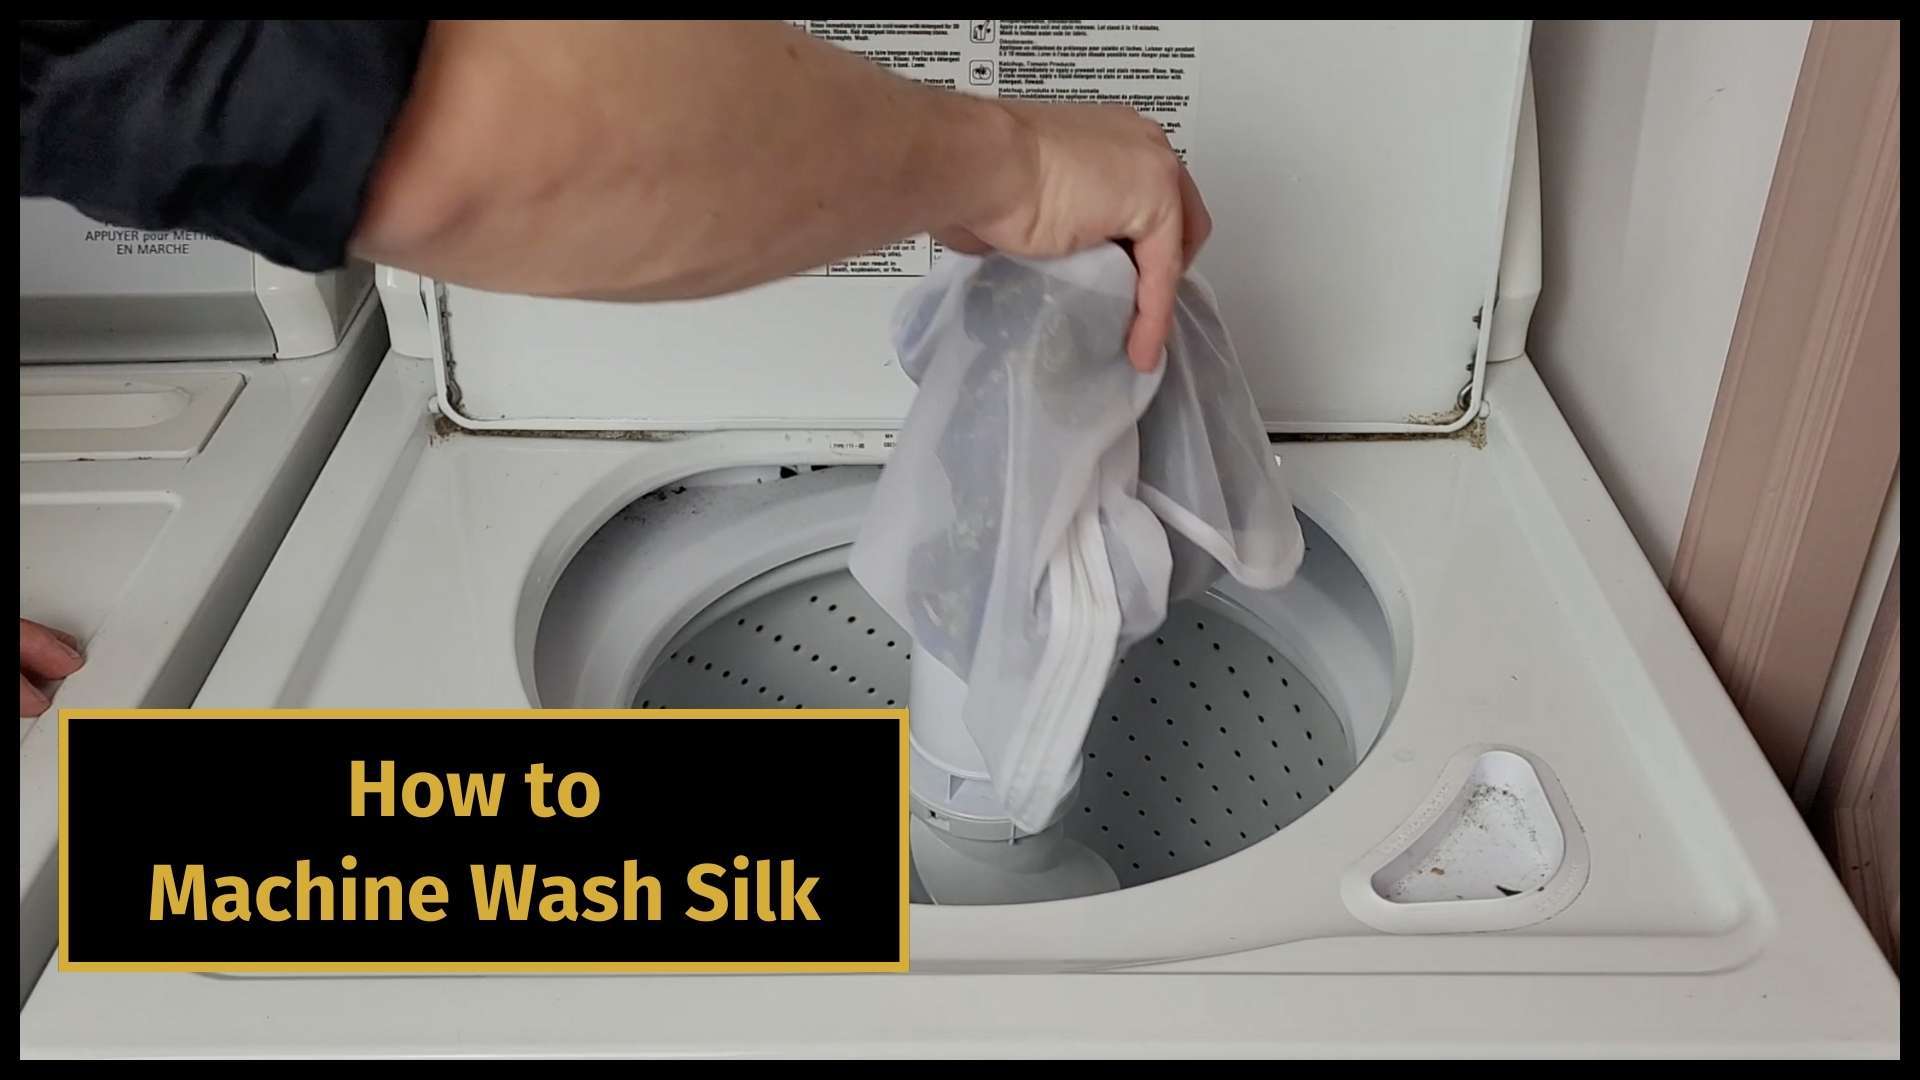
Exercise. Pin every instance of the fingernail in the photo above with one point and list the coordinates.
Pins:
(68, 646)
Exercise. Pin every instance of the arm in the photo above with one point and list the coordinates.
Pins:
(259, 132)
(667, 160)
(632, 161)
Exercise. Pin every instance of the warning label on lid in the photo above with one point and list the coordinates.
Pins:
(1148, 66)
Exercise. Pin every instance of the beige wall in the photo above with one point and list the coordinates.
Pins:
(1657, 141)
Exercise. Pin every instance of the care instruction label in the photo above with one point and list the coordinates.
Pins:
(1150, 66)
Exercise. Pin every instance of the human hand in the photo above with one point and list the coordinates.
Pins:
(1092, 174)
(45, 655)
(670, 160)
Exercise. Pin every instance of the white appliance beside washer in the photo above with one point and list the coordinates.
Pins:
(1466, 787)
(178, 396)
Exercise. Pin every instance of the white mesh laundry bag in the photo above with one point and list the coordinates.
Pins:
(1045, 501)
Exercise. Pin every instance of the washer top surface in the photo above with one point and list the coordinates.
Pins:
(1523, 617)
(141, 483)
(152, 498)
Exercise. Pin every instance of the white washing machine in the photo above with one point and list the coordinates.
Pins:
(178, 396)
(1466, 787)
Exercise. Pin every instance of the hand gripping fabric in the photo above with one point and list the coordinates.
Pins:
(1045, 501)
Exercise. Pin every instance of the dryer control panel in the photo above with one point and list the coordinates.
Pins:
(92, 292)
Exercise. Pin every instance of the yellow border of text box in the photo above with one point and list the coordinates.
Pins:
(500, 967)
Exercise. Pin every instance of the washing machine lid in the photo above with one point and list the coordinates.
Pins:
(93, 293)
(1357, 173)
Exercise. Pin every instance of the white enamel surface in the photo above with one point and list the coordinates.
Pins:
(148, 558)
(1524, 617)
(116, 414)
(457, 575)
(1357, 173)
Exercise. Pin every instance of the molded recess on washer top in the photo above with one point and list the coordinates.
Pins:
(1495, 847)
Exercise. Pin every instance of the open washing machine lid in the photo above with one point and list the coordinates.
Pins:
(1357, 173)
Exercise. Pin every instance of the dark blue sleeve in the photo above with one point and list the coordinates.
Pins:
(263, 133)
